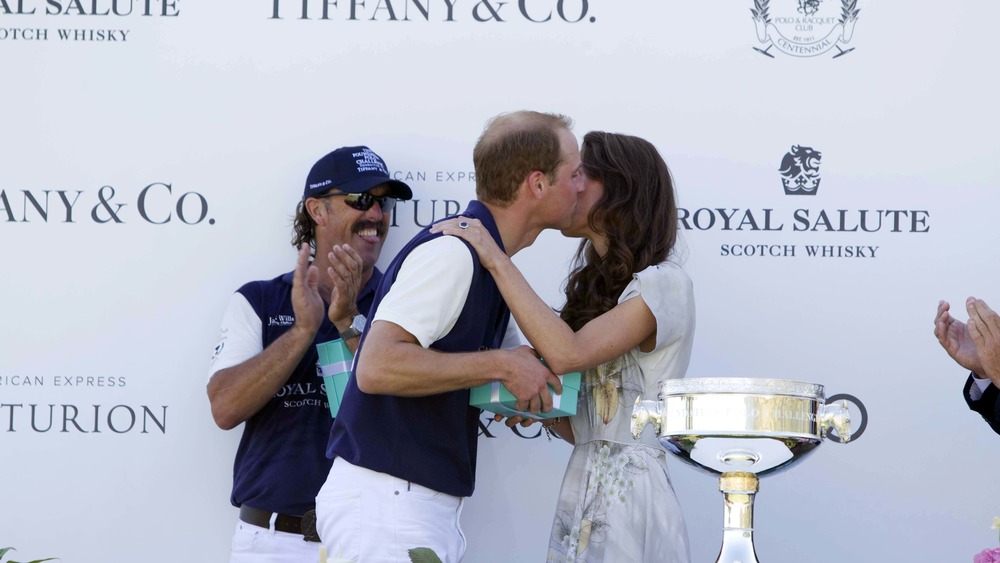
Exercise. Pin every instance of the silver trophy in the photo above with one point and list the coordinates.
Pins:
(742, 429)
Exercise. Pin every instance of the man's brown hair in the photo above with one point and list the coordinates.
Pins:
(512, 146)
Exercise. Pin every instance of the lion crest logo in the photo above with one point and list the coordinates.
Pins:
(800, 171)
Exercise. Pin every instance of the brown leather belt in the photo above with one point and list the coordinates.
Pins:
(304, 525)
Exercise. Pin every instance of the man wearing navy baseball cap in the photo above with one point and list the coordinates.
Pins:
(264, 369)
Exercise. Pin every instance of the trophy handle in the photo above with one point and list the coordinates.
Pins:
(643, 413)
(836, 415)
(855, 427)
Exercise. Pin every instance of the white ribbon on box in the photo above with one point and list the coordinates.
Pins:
(498, 406)
(339, 367)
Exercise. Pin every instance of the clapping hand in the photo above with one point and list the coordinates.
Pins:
(345, 271)
(306, 300)
(984, 331)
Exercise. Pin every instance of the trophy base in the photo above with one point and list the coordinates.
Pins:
(738, 489)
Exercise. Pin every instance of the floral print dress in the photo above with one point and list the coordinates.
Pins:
(616, 504)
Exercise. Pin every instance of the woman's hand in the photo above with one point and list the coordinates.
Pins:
(559, 427)
(472, 231)
(510, 421)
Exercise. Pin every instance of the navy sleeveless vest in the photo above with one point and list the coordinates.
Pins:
(428, 440)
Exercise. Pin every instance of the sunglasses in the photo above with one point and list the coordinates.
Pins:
(365, 201)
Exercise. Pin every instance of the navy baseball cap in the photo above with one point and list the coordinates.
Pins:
(352, 170)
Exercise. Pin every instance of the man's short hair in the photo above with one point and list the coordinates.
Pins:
(512, 146)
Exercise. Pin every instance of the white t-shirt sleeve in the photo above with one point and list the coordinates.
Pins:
(430, 290)
(240, 336)
(512, 338)
(668, 292)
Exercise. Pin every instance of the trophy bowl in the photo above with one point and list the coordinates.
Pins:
(740, 429)
(741, 424)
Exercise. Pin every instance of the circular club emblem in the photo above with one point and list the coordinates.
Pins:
(805, 28)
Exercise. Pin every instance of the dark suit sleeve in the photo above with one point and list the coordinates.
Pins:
(987, 405)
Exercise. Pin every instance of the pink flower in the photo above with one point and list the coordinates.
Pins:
(987, 556)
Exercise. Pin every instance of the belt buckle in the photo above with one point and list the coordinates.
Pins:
(308, 525)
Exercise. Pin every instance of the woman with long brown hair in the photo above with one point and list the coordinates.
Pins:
(628, 323)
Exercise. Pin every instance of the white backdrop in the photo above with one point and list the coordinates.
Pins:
(150, 163)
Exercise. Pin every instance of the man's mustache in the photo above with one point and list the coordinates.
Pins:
(380, 228)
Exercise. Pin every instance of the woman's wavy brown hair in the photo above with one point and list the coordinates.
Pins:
(638, 213)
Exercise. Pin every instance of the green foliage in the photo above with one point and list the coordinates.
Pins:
(4, 550)
(423, 555)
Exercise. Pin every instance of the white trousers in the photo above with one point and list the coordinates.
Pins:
(253, 544)
(371, 517)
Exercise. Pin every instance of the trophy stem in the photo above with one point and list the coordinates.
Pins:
(738, 488)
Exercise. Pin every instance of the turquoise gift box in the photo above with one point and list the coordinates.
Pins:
(335, 364)
(495, 398)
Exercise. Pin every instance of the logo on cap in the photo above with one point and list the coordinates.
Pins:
(320, 184)
(353, 170)
(368, 161)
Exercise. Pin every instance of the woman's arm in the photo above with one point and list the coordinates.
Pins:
(560, 427)
(604, 338)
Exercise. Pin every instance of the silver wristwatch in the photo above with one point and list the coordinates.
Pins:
(357, 327)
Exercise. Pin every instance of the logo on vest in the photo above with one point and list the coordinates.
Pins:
(281, 320)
